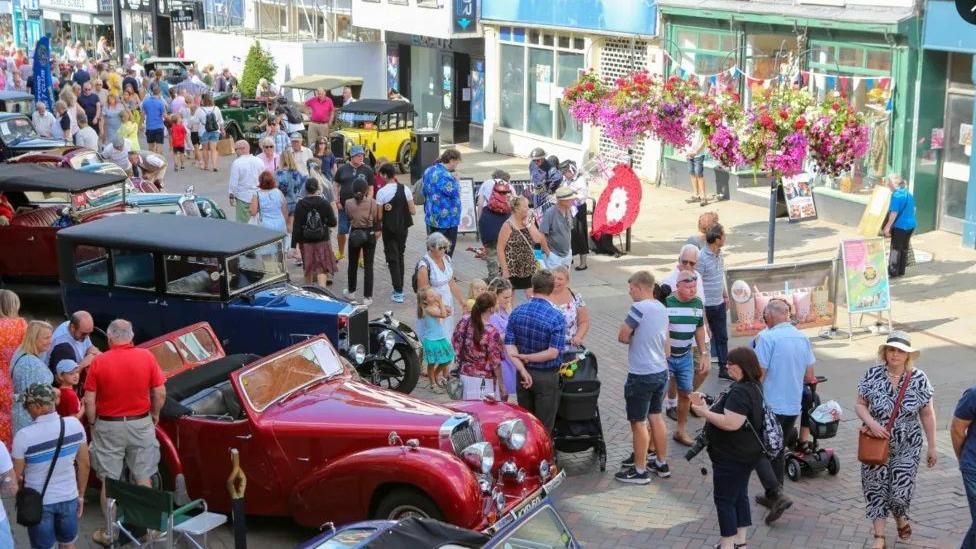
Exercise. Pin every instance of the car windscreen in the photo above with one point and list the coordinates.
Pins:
(192, 275)
(194, 347)
(24, 106)
(15, 130)
(84, 158)
(267, 383)
(365, 120)
(256, 267)
(543, 529)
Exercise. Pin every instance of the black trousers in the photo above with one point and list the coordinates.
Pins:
(900, 239)
(394, 246)
(770, 473)
(580, 234)
(368, 249)
(450, 233)
(542, 399)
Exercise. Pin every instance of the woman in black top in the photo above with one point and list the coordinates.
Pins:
(733, 446)
(310, 230)
(396, 216)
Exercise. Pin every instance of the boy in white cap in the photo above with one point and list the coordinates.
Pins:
(67, 375)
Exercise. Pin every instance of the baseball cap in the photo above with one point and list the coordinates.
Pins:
(66, 365)
(356, 150)
(39, 393)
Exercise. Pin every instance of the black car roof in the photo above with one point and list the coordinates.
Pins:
(35, 177)
(378, 106)
(175, 234)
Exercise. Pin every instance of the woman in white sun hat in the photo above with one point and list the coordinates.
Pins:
(888, 488)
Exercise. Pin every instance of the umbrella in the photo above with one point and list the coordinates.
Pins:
(619, 204)
(196, 88)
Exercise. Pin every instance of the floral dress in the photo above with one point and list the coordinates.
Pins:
(570, 312)
(477, 360)
(509, 374)
(12, 332)
(888, 488)
(26, 370)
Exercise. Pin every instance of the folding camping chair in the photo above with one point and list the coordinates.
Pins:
(131, 505)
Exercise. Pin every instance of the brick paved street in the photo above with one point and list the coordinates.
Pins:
(678, 512)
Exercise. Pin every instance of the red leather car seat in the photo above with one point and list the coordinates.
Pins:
(41, 217)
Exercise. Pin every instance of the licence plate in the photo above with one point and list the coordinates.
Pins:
(529, 503)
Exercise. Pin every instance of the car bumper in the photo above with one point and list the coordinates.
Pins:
(526, 504)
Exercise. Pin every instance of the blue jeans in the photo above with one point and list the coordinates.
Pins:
(716, 316)
(6, 538)
(969, 481)
(59, 523)
(730, 490)
(683, 369)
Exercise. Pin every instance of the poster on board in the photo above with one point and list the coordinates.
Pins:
(807, 287)
(469, 223)
(865, 275)
(800, 205)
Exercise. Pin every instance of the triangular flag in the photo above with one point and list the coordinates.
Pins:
(713, 80)
(869, 82)
(884, 82)
(805, 77)
(681, 72)
(831, 82)
(733, 72)
(819, 80)
(844, 80)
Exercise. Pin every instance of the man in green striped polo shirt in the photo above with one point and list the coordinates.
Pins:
(686, 315)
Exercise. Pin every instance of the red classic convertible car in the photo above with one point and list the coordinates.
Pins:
(319, 445)
(78, 158)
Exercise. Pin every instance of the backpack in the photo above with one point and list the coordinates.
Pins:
(771, 437)
(498, 200)
(416, 271)
(313, 229)
(210, 122)
(418, 192)
(292, 114)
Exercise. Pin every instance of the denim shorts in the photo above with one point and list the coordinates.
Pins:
(644, 394)
(683, 369)
(696, 165)
(209, 137)
(155, 136)
(6, 537)
(343, 222)
(59, 524)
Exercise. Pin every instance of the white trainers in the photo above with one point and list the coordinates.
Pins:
(367, 302)
(351, 296)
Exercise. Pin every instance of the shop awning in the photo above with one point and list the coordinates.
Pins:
(864, 18)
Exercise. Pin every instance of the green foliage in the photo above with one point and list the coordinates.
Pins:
(259, 64)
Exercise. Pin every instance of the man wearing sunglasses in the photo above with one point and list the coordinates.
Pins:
(71, 341)
(687, 260)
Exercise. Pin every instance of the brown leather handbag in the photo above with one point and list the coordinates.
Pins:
(872, 450)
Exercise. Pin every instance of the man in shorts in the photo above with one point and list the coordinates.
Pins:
(154, 111)
(33, 451)
(686, 317)
(645, 330)
(696, 168)
(124, 393)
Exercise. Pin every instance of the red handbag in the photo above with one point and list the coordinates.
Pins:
(872, 450)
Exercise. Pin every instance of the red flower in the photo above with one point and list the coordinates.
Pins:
(800, 123)
(835, 106)
(766, 121)
(783, 114)
(589, 86)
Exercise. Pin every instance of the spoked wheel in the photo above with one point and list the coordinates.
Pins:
(404, 157)
(399, 373)
(793, 469)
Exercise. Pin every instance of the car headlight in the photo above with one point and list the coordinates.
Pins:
(207, 209)
(480, 455)
(388, 339)
(512, 433)
(358, 354)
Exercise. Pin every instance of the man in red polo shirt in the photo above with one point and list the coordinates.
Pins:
(124, 393)
(321, 114)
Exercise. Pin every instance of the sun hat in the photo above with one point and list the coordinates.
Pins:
(357, 150)
(565, 193)
(296, 136)
(66, 365)
(39, 393)
(900, 340)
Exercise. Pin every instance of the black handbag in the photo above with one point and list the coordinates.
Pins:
(30, 502)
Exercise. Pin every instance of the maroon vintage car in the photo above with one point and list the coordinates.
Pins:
(44, 199)
(81, 158)
(319, 445)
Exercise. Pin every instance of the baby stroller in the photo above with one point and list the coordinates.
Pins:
(808, 458)
(578, 426)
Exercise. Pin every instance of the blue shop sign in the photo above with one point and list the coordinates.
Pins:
(618, 16)
(946, 30)
(465, 15)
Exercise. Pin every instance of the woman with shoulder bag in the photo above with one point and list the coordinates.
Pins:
(364, 229)
(894, 400)
(396, 217)
(271, 209)
(734, 446)
(495, 208)
(313, 218)
(478, 349)
(516, 256)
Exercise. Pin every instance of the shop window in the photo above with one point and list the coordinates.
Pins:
(704, 52)
(564, 42)
(399, 2)
(579, 44)
(513, 87)
(512, 34)
(570, 65)
(534, 36)
(766, 56)
(429, 3)
(961, 70)
(539, 116)
(547, 40)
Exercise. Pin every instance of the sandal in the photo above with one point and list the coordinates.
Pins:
(884, 544)
(581, 267)
(905, 531)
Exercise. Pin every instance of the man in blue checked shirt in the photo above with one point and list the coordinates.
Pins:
(535, 339)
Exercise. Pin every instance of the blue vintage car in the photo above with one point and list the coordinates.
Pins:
(534, 524)
(163, 272)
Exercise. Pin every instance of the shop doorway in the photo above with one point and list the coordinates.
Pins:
(958, 143)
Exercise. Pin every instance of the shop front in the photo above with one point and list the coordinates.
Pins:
(443, 78)
(866, 54)
(77, 20)
(943, 162)
(537, 49)
(147, 22)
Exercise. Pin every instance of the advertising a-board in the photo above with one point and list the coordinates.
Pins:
(806, 287)
(865, 275)
(469, 223)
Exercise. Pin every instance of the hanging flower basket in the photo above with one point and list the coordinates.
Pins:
(774, 134)
(838, 136)
(584, 98)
